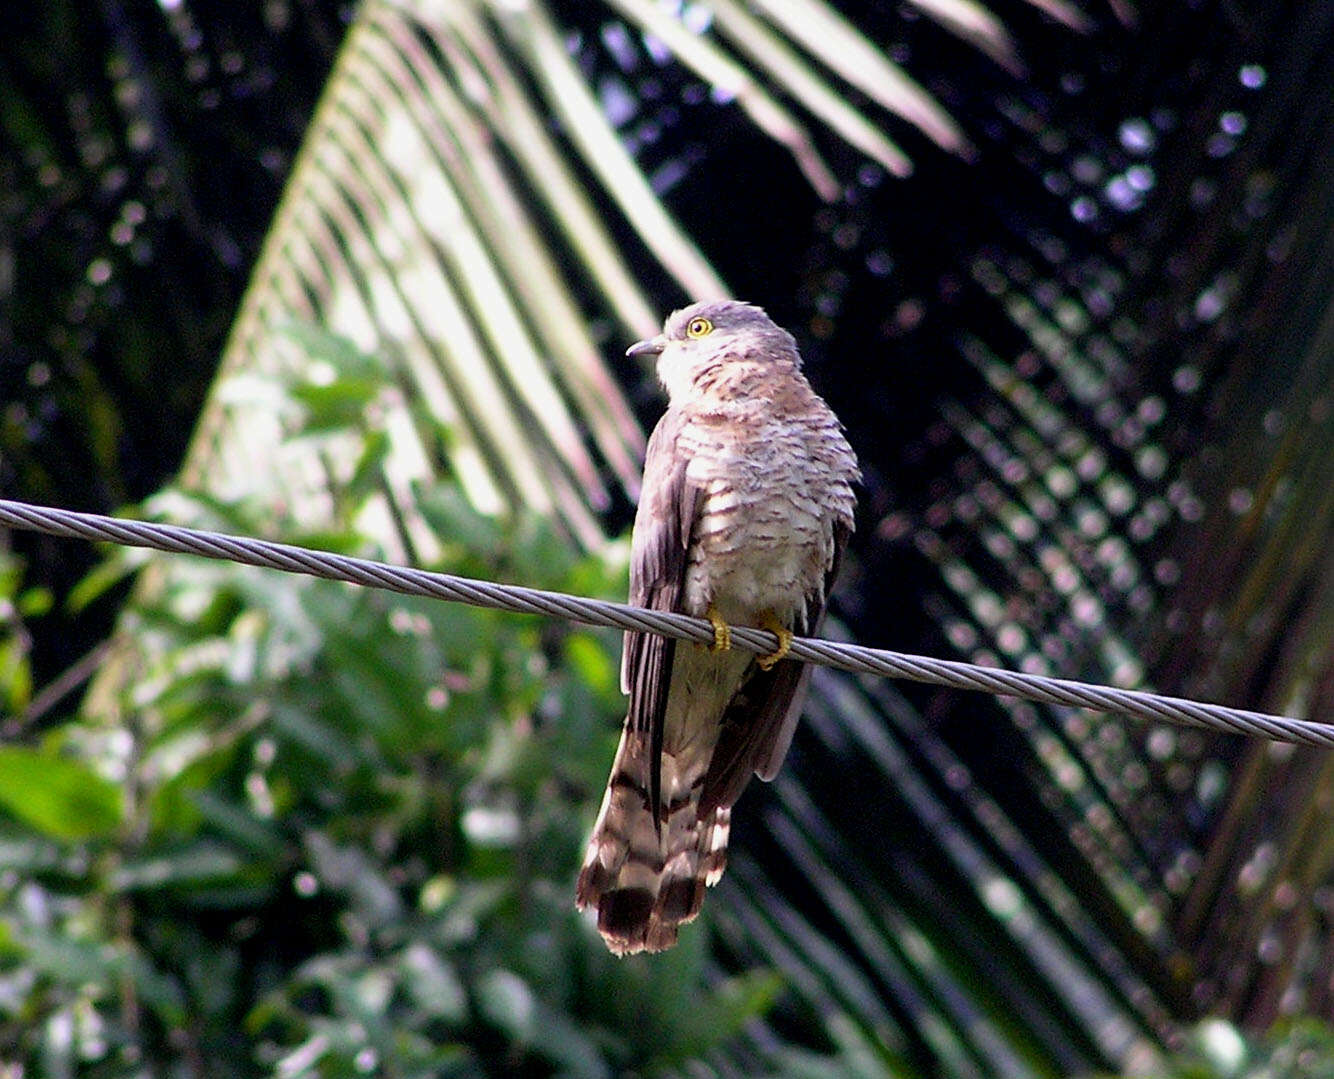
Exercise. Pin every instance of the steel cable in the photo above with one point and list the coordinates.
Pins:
(848, 657)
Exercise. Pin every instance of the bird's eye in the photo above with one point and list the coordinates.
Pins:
(699, 327)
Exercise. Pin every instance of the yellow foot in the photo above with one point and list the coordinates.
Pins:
(722, 633)
(770, 622)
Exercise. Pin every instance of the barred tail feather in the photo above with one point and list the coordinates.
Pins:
(645, 881)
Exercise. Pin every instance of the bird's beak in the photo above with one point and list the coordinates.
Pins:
(652, 347)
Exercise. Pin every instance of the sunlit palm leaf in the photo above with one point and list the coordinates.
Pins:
(411, 226)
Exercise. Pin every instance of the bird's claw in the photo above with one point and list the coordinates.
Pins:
(784, 635)
(722, 632)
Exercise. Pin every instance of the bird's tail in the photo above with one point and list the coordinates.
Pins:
(646, 880)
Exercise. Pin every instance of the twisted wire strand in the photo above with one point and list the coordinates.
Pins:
(847, 657)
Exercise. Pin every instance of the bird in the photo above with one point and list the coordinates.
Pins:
(745, 511)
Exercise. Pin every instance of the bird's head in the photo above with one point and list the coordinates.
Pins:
(702, 335)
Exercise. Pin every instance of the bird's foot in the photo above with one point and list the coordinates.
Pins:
(722, 632)
(770, 622)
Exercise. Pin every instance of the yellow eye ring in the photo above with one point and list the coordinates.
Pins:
(699, 327)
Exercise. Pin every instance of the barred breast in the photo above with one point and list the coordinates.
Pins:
(764, 537)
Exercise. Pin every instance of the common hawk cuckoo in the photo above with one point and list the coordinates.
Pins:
(747, 505)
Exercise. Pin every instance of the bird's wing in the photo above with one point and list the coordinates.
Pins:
(758, 724)
(658, 559)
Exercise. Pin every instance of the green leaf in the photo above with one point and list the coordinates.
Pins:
(337, 350)
(591, 661)
(340, 404)
(35, 602)
(507, 1002)
(59, 797)
(99, 580)
(723, 1013)
(200, 863)
(432, 983)
(80, 963)
(37, 856)
(15, 674)
(369, 473)
(453, 518)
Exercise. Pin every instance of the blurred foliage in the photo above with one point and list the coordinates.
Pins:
(1293, 1049)
(145, 148)
(18, 603)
